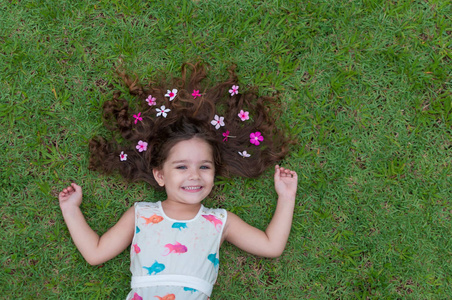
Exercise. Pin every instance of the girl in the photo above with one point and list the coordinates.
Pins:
(180, 147)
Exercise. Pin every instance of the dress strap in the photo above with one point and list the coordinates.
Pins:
(173, 280)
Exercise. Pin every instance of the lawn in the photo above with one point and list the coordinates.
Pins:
(365, 86)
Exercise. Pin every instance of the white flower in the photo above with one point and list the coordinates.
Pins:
(217, 122)
(244, 154)
(123, 156)
(171, 94)
(162, 111)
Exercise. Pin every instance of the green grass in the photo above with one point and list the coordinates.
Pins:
(366, 87)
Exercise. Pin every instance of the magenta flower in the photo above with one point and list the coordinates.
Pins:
(234, 90)
(142, 146)
(151, 100)
(171, 94)
(217, 122)
(123, 156)
(138, 118)
(196, 94)
(256, 138)
(226, 135)
(244, 115)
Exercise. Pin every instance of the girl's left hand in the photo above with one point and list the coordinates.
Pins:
(285, 182)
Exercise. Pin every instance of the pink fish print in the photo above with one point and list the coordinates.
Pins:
(167, 297)
(216, 222)
(136, 248)
(136, 297)
(176, 248)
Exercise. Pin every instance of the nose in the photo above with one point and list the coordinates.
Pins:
(194, 174)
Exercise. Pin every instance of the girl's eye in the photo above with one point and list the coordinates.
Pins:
(205, 167)
(181, 167)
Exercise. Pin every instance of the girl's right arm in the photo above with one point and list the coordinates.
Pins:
(95, 249)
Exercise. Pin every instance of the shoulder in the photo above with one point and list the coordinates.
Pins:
(232, 220)
(220, 212)
(139, 206)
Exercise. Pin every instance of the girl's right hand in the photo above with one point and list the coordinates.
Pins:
(70, 196)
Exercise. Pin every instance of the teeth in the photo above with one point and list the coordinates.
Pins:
(192, 188)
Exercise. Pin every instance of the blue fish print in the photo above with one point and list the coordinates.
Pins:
(179, 225)
(213, 258)
(155, 268)
(137, 230)
(187, 289)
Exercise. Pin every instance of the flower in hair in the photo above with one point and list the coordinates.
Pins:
(256, 138)
(142, 146)
(162, 111)
(217, 122)
(123, 156)
(171, 94)
(234, 90)
(244, 115)
(196, 94)
(244, 154)
(138, 118)
(226, 136)
(151, 100)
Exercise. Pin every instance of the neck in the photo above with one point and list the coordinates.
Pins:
(180, 211)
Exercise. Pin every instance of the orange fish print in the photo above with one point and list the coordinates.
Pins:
(167, 297)
(154, 219)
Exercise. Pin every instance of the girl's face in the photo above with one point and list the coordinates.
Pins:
(188, 172)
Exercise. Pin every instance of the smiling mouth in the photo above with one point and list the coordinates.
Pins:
(192, 188)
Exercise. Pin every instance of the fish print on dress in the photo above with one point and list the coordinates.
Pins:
(136, 248)
(216, 222)
(175, 248)
(137, 230)
(179, 225)
(155, 268)
(213, 258)
(167, 297)
(154, 219)
(187, 289)
(136, 297)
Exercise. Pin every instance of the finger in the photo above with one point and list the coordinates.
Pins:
(277, 172)
(76, 187)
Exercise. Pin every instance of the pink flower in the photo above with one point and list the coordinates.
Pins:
(171, 94)
(123, 156)
(234, 90)
(138, 118)
(142, 146)
(244, 154)
(162, 111)
(196, 94)
(151, 100)
(256, 138)
(217, 122)
(244, 115)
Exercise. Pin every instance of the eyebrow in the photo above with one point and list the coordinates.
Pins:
(185, 161)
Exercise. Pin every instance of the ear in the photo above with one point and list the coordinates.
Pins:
(158, 175)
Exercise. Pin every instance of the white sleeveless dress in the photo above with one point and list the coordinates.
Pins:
(174, 259)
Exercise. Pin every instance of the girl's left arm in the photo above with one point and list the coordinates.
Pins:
(272, 242)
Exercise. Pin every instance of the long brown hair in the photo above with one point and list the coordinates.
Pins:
(189, 117)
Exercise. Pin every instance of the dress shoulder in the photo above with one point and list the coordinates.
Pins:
(217, 212)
